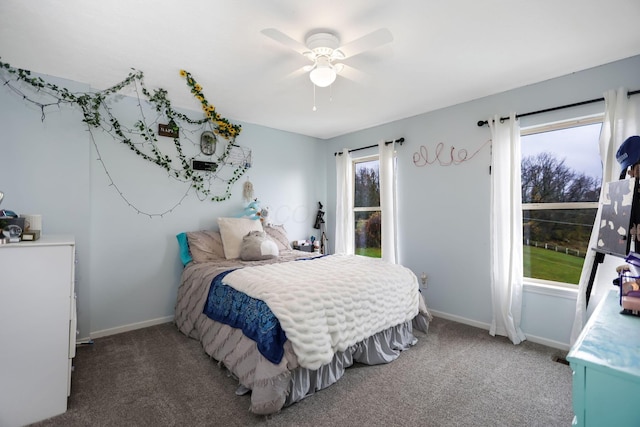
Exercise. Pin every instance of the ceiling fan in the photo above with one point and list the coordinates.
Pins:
(322, 47)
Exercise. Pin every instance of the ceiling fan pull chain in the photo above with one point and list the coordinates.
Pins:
(314, 97)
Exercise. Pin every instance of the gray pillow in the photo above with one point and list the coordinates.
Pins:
(257, 246)
(205, 245)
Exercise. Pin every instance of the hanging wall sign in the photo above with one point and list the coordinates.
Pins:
(168, 130)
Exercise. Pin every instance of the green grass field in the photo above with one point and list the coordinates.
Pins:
(545, 264)
(539, 263)
(370, 252)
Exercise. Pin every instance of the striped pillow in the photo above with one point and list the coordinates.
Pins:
(279, 235)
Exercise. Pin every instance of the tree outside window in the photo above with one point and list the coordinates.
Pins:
(366, 207)
(561, 179)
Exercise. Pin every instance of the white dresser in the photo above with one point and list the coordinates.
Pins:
(37, 328)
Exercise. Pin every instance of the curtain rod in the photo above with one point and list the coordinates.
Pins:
(577, 104)
(399, 141)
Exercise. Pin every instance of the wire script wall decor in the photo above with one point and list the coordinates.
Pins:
(444, 158)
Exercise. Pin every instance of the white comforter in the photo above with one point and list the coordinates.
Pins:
(328, 304)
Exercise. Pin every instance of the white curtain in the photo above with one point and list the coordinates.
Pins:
(344, 204)
(621, 121)
(388, 201)
(506, 229)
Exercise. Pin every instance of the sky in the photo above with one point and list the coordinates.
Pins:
(578, 146)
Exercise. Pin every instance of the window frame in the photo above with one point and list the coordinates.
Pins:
(549, 127)
(354, 161)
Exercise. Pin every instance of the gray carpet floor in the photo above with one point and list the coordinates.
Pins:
(457, 375)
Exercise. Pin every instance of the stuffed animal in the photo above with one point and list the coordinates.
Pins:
(252, 211)
(264, 216)
(257, 246)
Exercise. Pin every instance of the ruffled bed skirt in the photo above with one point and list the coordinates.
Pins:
(383, 347)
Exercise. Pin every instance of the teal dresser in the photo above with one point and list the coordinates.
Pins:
(606, 368)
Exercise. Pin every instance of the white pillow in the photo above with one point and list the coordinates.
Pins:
(233, 230)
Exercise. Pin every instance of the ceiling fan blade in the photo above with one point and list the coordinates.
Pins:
(367, 42)
(355, 75)
(285, 40)
(295, 73)
(338, 67)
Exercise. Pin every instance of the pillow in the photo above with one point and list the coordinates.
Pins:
(185, 255)
(233, 230)
(205, 245)
(279, 235)
(257, 246)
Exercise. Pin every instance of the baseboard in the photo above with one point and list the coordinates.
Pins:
(131, 327)
(460, 319)
(487, 327)
(549, 343)
(441, 314)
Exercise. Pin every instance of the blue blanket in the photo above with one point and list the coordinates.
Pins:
(253, 316)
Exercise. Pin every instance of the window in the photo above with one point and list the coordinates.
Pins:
(561, 179)
(367, 213)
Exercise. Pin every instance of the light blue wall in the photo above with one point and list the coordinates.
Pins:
(128, 270)
(44, 169)
(444, 210)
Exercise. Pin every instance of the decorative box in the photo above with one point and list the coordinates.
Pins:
(30, 236)
(7, 220)
(305, 248)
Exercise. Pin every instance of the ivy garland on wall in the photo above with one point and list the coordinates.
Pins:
(97, 114)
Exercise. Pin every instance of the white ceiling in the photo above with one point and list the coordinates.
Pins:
(444, 52)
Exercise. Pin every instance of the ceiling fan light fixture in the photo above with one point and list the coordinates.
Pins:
(323, 74)
(323, 43)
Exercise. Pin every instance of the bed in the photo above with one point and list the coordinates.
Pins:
(286, 323)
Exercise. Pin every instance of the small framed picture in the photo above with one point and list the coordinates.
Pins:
(208, 143)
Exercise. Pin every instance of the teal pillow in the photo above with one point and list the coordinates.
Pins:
(185, 254)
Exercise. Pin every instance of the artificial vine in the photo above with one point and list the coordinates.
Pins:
(98, 114)
(222, 125)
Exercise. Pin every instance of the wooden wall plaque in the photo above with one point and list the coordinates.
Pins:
(168, 130)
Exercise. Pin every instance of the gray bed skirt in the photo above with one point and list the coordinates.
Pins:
(274, 386)
(383, 347)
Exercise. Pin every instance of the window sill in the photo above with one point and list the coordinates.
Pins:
(551, 290)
